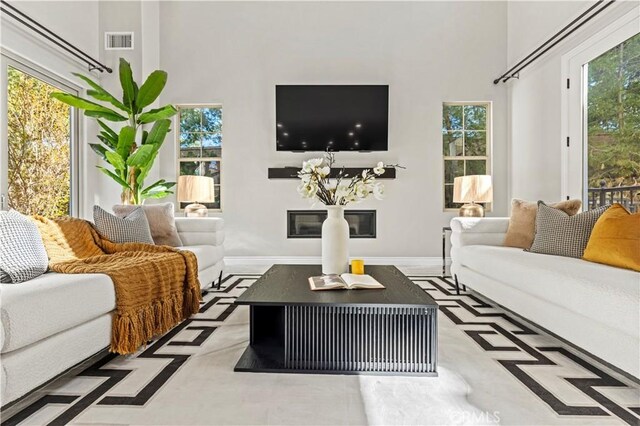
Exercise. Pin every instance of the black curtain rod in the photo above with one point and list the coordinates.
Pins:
(546, 46)
(43, 31)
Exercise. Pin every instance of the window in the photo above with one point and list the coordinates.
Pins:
(40, 144)
(466, 136)
(200, 146)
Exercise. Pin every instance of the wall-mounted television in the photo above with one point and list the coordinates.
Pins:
(334, 118)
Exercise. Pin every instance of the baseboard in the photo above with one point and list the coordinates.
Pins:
(310, 260)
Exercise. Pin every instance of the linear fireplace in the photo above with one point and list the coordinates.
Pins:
(308, 223)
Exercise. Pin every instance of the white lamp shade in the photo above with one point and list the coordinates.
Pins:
(197, 189)
(473, 189)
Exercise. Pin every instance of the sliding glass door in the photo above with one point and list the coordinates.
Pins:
(612, 117)
(602, 165)
(38, 144)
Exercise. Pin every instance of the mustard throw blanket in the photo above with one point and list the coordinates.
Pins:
(156, 286)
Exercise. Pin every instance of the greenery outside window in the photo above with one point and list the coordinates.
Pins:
(466, 143)
(38, 153)
(199, 144)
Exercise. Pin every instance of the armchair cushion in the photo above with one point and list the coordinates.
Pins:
(200, 230)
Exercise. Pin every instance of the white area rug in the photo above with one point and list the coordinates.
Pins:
(493, 369)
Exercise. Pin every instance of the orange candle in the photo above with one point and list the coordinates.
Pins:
(357, 266)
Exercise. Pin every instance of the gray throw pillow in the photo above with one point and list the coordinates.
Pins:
(161, 222)
(559, 234)
(133, 228)
(23, 256)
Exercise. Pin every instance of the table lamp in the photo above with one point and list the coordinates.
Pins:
(471, 190)
(197, 190)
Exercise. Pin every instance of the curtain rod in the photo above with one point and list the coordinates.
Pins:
(514, 71)
(49, 35)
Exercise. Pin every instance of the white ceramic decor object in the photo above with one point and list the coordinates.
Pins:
(335, 242)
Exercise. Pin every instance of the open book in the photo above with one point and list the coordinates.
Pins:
(343, 282)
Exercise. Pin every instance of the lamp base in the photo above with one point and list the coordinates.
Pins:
(471, 210)
(196, 210)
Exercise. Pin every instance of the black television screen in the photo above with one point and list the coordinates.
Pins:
(335, 118)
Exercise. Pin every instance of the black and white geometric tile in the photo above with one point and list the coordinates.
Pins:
(518, 347)
(560, 384)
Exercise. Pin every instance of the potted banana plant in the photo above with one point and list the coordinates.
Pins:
(131, 151)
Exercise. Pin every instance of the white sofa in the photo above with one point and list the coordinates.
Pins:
(594, 306)
(53, 322)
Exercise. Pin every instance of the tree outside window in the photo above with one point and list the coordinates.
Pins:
(39, 147)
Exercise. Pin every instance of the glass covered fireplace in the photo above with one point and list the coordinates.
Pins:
(308, 223)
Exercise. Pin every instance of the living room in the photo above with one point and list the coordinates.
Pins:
(479, 110)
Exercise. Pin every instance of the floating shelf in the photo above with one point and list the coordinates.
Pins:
(292, 172)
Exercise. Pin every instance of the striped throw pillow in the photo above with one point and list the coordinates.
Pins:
(559, 234)
(133, 228)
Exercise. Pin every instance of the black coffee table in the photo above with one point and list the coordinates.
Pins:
(296, 330)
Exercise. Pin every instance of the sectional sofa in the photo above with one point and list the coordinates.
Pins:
(53, 322)
(595, 307)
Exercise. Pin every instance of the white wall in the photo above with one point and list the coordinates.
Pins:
(536, 139)
(76, 22)
(236, 52)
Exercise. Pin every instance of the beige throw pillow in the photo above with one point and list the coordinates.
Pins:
(522, 224)
(161, 221)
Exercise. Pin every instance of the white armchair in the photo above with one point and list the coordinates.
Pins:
(469, 231)
(204, 236)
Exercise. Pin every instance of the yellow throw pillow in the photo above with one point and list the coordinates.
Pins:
(615, 239)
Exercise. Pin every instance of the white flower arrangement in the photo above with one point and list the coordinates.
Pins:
(316, 183)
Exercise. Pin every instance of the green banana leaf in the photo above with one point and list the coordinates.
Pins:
(158, 132)
(157, 114)
(111, 116)
(128, 85)
(160, 185)
(141, 156)
(108, 130)
(151, 89)
(107, 140)
(88, 106)
(99, 149)
(126, 139)
(116, 161)
(157, 194)
(100, 93)
(113, 176)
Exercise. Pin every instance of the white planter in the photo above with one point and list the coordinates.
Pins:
(335, 242)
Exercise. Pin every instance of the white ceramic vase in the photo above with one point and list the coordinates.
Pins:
(335, 242)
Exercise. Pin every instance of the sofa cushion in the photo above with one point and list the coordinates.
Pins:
(559, 234)
(161, 222)
(23, 256)
(133, 228)
(207, 255)
(615, 240)
(522, 223)
(50, 304)
(607, 294)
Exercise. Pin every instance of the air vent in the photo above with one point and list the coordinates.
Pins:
(118, 41)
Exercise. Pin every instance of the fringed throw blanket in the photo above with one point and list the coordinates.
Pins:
(156, 286)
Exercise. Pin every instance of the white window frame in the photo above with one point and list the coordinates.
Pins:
(179, 160)
(10, 59)
(487, 157)
(574, 102)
